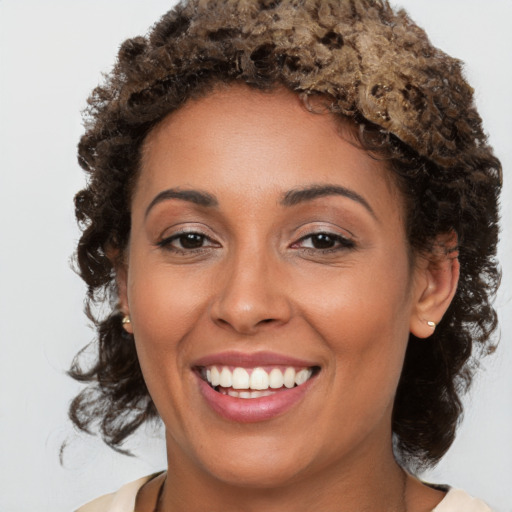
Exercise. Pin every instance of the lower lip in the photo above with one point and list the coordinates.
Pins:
(251, 410)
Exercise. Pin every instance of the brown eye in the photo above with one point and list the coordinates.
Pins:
(187, 241)
(323, 241)
(191, 240)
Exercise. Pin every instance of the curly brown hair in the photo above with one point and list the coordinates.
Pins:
(413, 107)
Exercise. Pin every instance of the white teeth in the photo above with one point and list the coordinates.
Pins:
(302, 376)
(289, 377)
(276, 379)
(215, 376)
(248, 394)
(225, 378)
(257, 379)
(240, 378)
(258, 394)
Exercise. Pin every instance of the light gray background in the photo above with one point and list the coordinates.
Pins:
(51, 55)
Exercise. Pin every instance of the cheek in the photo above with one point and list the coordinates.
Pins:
(163, 300)
(165, 307)
(163, 312)
(368, 352)
(358, 300)
(362, 316)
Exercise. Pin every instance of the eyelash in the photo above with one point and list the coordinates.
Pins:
(166, 243)
(341, 242)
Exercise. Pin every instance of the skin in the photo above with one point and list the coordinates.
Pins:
(257, 282)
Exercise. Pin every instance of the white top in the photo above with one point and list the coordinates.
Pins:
(124, 500)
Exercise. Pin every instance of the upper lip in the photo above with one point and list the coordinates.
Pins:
(252, 360)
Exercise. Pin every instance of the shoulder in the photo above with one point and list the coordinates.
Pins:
(457, 500)
(121, 501)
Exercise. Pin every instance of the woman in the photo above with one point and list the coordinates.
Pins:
(292, 208)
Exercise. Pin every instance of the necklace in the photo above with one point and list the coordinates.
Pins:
(403, 504)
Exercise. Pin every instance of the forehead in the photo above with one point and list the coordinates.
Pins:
(242, 139)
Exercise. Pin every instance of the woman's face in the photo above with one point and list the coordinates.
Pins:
(266, 250)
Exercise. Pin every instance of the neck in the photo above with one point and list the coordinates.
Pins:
(375, 484)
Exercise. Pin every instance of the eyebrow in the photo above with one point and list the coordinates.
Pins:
(296, 196)
(290, 198)
(192, 196)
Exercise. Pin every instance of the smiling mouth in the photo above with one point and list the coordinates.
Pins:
(255, 382)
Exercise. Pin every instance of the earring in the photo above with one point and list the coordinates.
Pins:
(126, 320)
(431, 324)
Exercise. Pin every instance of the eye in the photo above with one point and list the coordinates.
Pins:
(327, 242)
(187, 242)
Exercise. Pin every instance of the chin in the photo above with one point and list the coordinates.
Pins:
(258, 473)
(258, 462)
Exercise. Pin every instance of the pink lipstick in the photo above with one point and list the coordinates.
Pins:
(255, 387)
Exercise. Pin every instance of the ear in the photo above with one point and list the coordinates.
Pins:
(435, 283)
(121, 272)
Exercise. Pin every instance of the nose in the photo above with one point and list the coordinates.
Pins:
(251, 295)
